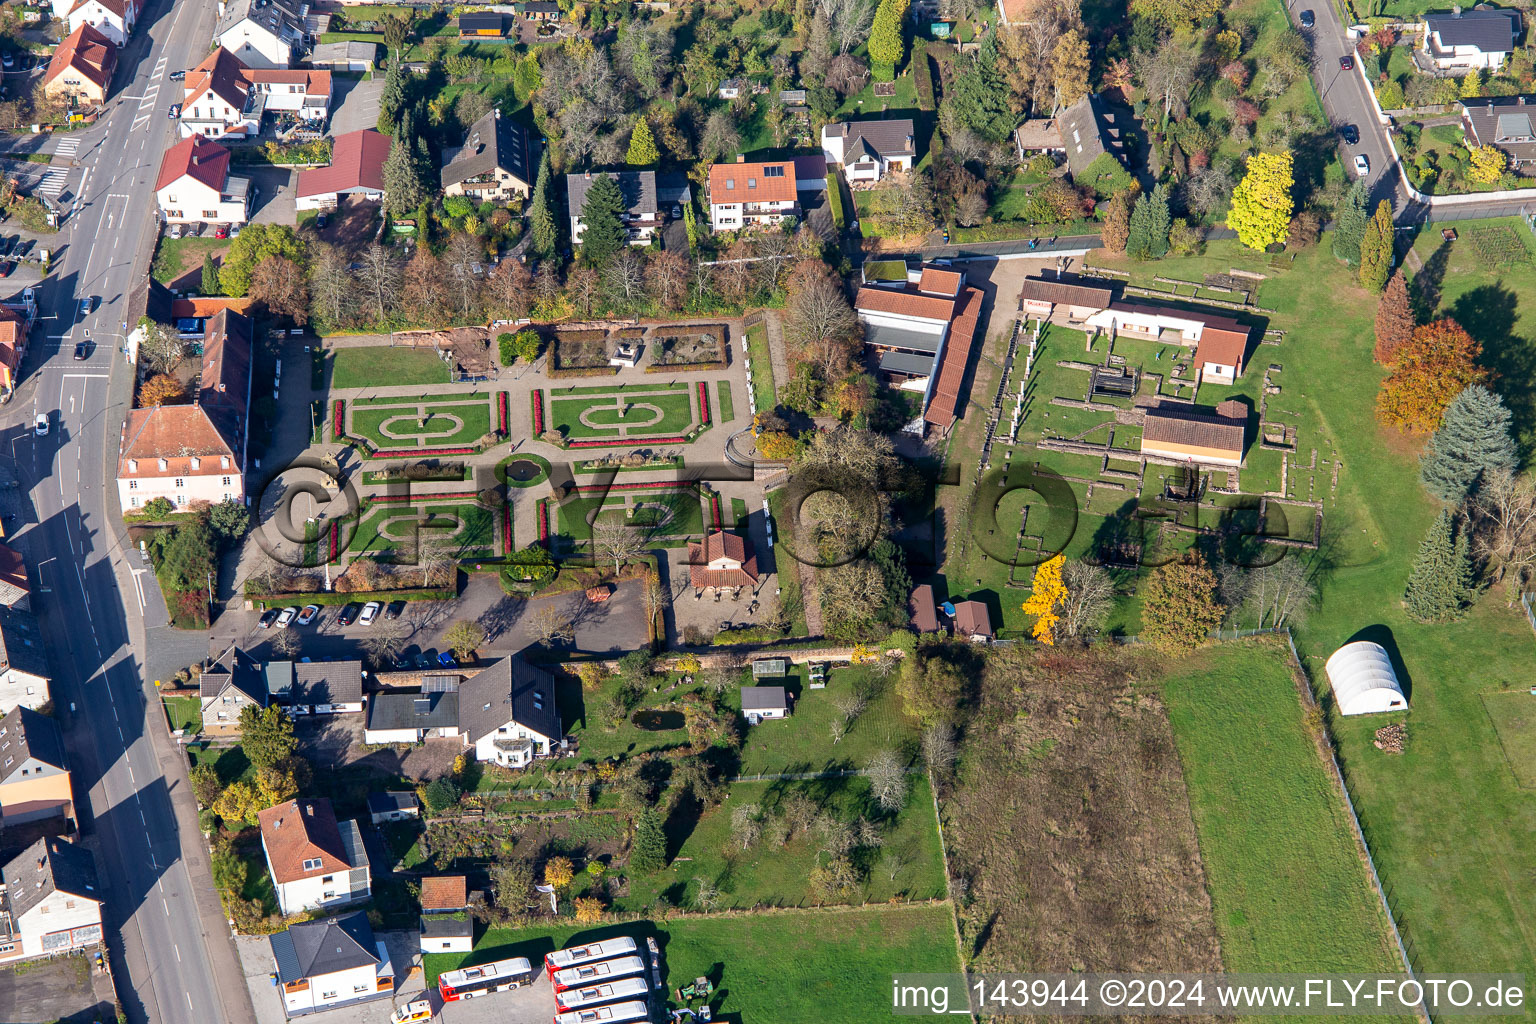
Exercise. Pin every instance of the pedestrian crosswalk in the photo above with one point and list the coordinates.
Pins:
(68, 148)
(53, 182)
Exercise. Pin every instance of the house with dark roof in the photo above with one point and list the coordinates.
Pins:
(1179, 435)
(1504, 123)
(24, 668)
(80, 71)
(356, 169)
(396, 717)
(331, 962)
(722, 561)
(235, 681)
(1464, 40)
(393, 805)
(263, 33)
(972, 621)
(325, 688)
(495, 163)
(195, 186)
(50, 901)
(194, 452)
(445, 923)
(763, 702)
(538, 10)
(315, 861)
(752, 195)
(869, 150)
(1075, 298)
(482, 25)
(642, 203)
(34, 777)
(1090, 128)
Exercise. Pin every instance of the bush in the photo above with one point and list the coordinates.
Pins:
(439, 795)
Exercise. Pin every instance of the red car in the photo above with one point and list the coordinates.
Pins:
(1346, 63)
(222, 231)
(6, 268)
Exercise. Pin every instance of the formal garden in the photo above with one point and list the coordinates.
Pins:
(441, 423)
(596, 416)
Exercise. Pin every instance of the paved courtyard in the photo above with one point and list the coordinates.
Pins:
(42, 992)
(356, 104)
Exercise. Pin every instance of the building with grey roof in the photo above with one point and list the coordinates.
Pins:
(34, 774)
(495, 164)
(1090, 128)
(641, 213)
(507, 713)
(325, 687)
(332, 962)
(411, 717)
(24, 669)
(760, 702)
(263, 33)
(353, 55)
(51, 901)
(1504, 123)
(869, 150)
(1464, 40)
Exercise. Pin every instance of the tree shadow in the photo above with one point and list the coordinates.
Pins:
(1425, 290)
(1489, 314)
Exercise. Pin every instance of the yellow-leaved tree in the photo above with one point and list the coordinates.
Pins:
(1261, 203)
(1048, 594)
(1488, 163)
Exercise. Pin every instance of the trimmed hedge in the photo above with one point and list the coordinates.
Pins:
(581, 371)
(685, 367)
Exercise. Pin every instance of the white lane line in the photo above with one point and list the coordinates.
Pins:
(166, 905)
(141, 818)
(119, 728)
(189, 1001)
(178, 954)
(130, 776)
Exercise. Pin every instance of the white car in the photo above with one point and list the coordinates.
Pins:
(286, 619)
(370, 612)
(1362, 164)
(40, 425)
(308, 614)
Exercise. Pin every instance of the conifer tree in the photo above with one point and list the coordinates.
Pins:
(1395, 321)
(1349, 224)
(649, 852)
(1472, 443)
(1440, 585)
(603, 233)
(544, 234)
(1376, 249)
(1150, 221)
(642, 146)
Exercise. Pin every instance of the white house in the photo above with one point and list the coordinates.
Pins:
(761, 702)
(1220, 343)
(195, 186)
(445, 924)
(748, 195)
(869, 150)
(112, 18)
(50, 902)
(639, 192)
(1363, 680)
(263, 33)
(356, 169)
(195, 452)
(222, 98)
(24, 671)
(335, 961)
(314, 860)
(1482, 37)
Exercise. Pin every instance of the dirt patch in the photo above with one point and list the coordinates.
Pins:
(1070, 823)
(699, 344)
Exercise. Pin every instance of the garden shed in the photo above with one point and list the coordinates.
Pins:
(1363, 679)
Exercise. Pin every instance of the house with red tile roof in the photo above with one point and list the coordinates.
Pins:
(194, 452)
(356, 169)
(114, 19)
(195, 186)
(722, 561)
(749, 195)
(14, 326)
(81, 69)
(315, 861)
(224, 98)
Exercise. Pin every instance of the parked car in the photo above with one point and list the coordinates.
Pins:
(348, 614)
(234, 232)
(1308, 19)
(286, 616)
(1346, 63)
(445, 660)
(7, 267)
(395, 609)
(174, 111)
(320, 220)
(1351, 135)
(175, 231)
(370, 612)
(308, 614)
(24, 248)
(265, 622)
(82, 349)
(8, 60)
(5, 245)
(40, 425)
(177, 76)
(222, 231)
(1362, 164)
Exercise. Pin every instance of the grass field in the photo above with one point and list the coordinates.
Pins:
(762, 368)
(640, 411)
(1513, 715)
(661, 513)
(381, 366)
(726, 408)
(1288, 885)
(184, 713)
(450, 423)
(831, 967)
(178, 256)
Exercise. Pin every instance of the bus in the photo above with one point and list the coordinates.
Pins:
(560, 959)
(607, 992)
(595, 974)
(477, 981)
(618, 1013)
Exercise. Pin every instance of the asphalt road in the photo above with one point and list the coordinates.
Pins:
(130, 787)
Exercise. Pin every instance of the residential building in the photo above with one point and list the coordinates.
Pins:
(34, 777)
(223, 98)
(1090, 128)
(972, 621)
(235, 681)
(1504, 123)
(1481, 38)
(810, 173)
(314, 860)
(394, 805)
(263, 33)
(445, 923)
(734, 88)
(505, 713)
(920, 331)
(335, 961)
(352, 56)
(869, 150)
(80, 71)
(114, 19)
(641, 215)
(1073, 298)
(1180, 435)
(538, 10)
(195, 186)
(15, 326)
(325, 688)
(922, 611)
(482, 25)
(50, 902)
(750, 195)
(24, 669)
(722, 561)
(356, 170)
(761, 702)
(198, 451)
(1037, 135)
(494, 164)
(15, 588)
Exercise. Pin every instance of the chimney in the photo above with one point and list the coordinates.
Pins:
(741, 158)
(588, 175)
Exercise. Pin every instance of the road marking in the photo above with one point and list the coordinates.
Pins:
(67, 148)
(130, 776)
(189, 1001)
(178, 960)
(141, 818)
(167, 907)
(53, 182)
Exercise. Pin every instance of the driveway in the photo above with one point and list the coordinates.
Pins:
(355, 105)
(274, 199)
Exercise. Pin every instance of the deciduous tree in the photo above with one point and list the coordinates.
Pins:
(266, 735)
(887, 775)
(1045, 598)
(667, 278)
(1116, 230)
(464, 638)
(1070, 68)
(1261, 203)
(1179, 606)
(1395, 321)
(1090, 594)
(279, 284)
(1504, 530)
(162, 389)
(1429, 370)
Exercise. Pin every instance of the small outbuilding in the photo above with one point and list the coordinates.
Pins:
(393, 805)
(760, 702)
(1363, 680)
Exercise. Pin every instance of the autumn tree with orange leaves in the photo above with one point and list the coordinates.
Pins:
(1428, 372)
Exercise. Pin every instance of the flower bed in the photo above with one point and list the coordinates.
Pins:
(703, 403)
(637, 485)
(417, 453)
(339, 419)
(397, 499)
(714, 510)
(506, 529)
(543, 521)
(538, 412)
(501, 414)
(626, 442)
(335, 545)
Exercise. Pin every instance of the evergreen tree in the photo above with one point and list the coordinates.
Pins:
(403, 186)
(1440, 585)
(210, 276)
(642, 145)
(1349, 224)
(886, 46)
(1116, 230)
(603, 234)
(392, 99)
(649, 852)
(979, 96)
(1148, 239)
(1376, 249)
(1473, 442)
(1395, 321)
(544, 232)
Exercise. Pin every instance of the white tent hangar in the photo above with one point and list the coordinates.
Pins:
(1363, 681)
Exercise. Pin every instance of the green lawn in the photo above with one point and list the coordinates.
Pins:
(450, 423)
(643, 412)
(476, 536)
(762, 368)
(727, 408)
(230, 762)
(385, 366)
(178, 256)
(184, 713)
(683, 506)
(831, 967)
(1288, 887)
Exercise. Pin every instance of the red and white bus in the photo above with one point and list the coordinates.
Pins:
(607, 992)
(477, 981)
(595, 974)
(618, 1013)
(571, 956)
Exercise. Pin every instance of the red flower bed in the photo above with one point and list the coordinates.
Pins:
(415, 453)
(629, 442)
(506, 529)
(543, 522)
(501, 411)
(538, 412)
(395, 499)
(704, 403)
(338, 419)
(714, 511)
(649, 485)
(335, 532)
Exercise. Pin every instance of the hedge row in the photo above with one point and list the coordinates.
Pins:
(581, 371)
(684, 367)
